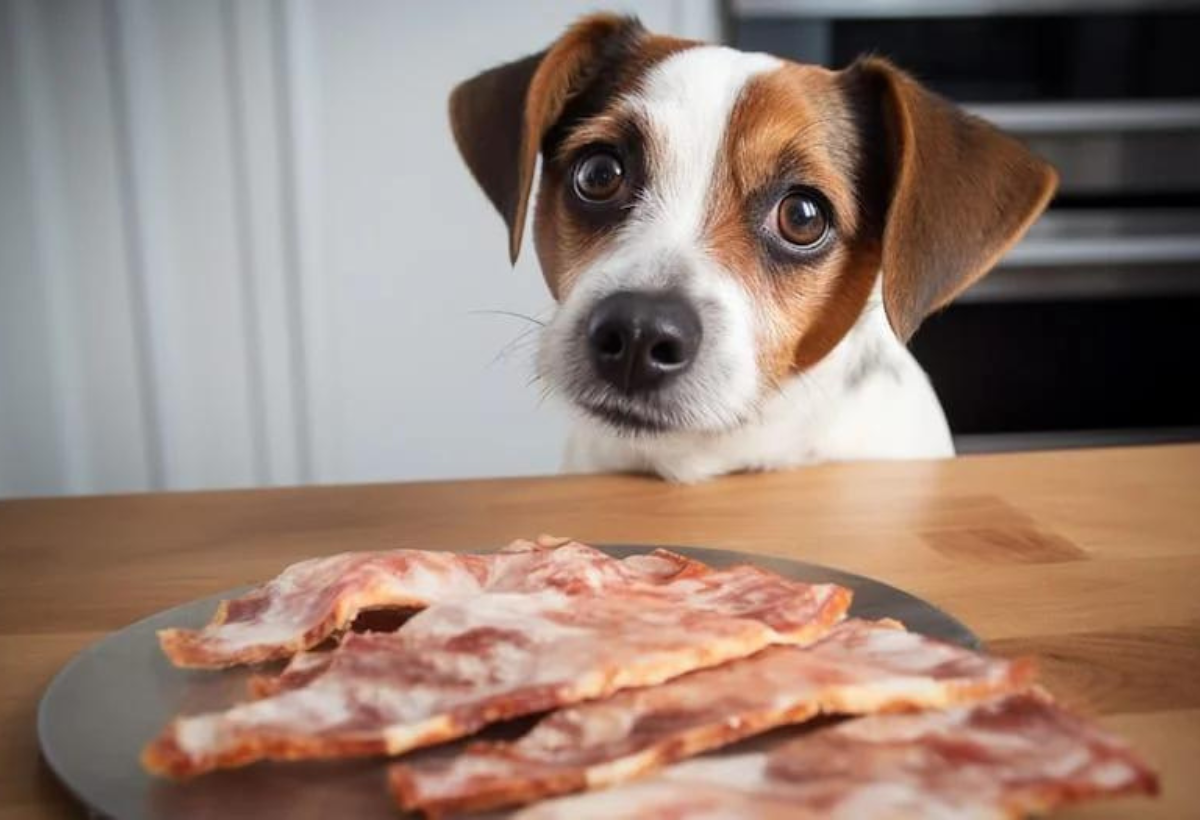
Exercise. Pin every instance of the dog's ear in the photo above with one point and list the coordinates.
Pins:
(956, 192)
(500, 116)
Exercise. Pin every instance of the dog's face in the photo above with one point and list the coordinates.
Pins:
(702, 246)
(713, 222)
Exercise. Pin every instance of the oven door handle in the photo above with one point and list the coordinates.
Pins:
(1086, 267)
(1103, 117)
(1105, 250)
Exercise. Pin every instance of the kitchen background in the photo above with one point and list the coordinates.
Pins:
(237, 246)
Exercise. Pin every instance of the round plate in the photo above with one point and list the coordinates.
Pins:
(117, 694)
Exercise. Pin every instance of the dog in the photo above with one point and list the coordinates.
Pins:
(740, 246)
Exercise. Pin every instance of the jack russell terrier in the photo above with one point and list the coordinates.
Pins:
(740, 246)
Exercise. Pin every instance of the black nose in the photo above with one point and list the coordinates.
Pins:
(640, 341)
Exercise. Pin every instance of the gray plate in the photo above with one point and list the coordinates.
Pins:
(114, 696)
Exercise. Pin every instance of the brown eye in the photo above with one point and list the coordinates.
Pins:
(599, 177)
(802, 219)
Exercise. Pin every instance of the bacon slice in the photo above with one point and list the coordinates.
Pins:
(1005, 758)
(860, 667)
(461, 664)
(312, 600)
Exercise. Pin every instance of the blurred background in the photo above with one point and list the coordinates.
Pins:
(237, 246)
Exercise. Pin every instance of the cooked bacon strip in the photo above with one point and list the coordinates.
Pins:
(459, 665)
(312, 600)
(1005, 758)
(860, 667)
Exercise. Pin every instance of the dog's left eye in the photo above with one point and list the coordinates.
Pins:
(802, 219)
(599, 177)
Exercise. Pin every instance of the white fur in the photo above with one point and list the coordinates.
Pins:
(686, 100)
(730, 426)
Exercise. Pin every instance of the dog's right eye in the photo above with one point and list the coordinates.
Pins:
(599, 177)
(802, 220)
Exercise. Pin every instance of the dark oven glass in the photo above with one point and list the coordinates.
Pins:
(1024, 57)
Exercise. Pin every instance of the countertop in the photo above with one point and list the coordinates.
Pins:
(1087, 559)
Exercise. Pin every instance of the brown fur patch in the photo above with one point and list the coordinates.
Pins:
(564, 245)
(793, 127)
(499, 117)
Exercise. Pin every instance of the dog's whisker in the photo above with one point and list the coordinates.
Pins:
(512, 314)
(520, 341)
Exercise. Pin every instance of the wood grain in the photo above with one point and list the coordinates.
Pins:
(1087, 559)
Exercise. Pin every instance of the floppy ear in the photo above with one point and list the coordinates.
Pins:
(958, 192)
(500, 116)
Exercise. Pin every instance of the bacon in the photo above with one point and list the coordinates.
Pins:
(860, 667)
(1009, 757)
(313, 600)
(461, 664)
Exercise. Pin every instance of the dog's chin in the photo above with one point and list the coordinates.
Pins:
(633, 418)
(628, 422)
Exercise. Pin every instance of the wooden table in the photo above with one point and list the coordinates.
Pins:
(1088, 559)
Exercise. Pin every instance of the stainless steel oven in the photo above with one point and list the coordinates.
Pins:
(1087, 331)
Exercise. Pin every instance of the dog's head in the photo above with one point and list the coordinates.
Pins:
(713, 222)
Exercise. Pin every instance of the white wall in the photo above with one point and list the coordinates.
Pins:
(237, 246)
